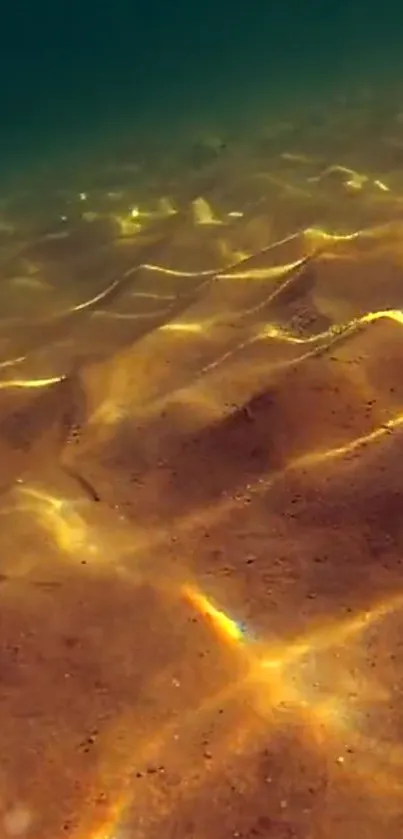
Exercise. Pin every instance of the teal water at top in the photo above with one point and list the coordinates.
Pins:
(72, 68)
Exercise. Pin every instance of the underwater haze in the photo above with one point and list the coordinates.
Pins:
(201, 420)
(71, 70)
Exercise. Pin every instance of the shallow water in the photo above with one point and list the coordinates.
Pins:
(201, 437)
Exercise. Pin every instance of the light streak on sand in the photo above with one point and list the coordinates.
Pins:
(30, 384)
(270, 683)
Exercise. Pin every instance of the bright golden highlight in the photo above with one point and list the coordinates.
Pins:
(225, 626)
(62, 520)
(272, 681)
(201, 535)
(30, 384)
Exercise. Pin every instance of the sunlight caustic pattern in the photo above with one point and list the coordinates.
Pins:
(276, 668)
(271, 673)
(180, 333)
(274, 673)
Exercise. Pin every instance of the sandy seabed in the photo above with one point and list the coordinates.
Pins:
(201, 420)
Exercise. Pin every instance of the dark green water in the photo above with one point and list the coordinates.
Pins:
(75, 71)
